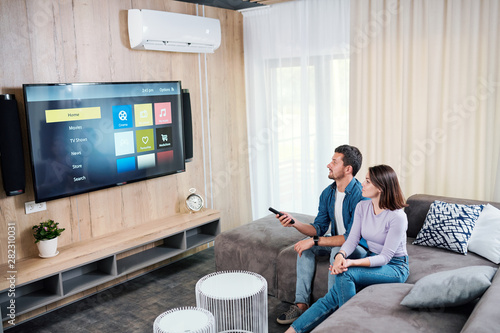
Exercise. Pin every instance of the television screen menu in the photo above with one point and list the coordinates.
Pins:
(86, 137)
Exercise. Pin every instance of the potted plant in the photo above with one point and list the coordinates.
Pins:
(46, 234)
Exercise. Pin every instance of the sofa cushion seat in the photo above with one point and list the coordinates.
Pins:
(427, 260)
(377, 309)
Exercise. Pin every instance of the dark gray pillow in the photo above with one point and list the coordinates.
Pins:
(450, 288)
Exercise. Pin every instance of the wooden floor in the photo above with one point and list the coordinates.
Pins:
(134, 305)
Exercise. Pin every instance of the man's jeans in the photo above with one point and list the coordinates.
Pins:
(306, 265)
(345, 286)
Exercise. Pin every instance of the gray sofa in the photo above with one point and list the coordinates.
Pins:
(265, 247)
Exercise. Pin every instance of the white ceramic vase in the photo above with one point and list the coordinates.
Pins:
(47, 248)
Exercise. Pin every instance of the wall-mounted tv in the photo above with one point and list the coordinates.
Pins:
(89, 136)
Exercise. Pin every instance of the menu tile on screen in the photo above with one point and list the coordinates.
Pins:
(163, 113)
(124, 143)
(146, 161)
(122, 116)
(145, 140)
(165, 156)
(125, 164)
(163, 137)
(143, 114)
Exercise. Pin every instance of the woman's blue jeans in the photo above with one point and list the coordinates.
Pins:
(346, 285)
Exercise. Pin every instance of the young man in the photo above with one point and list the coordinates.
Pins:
(336, 211)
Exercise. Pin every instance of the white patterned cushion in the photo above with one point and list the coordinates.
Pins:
(448, 226)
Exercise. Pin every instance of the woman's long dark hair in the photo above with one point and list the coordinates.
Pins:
(386, 180)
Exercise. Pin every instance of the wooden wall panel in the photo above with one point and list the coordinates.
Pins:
(15, 69)
(87, 41)
(230, 178)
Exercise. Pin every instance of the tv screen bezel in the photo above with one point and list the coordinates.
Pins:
(112, 185)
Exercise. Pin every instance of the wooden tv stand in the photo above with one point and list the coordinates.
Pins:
(87, 264)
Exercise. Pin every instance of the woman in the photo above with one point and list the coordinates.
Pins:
(382, 222)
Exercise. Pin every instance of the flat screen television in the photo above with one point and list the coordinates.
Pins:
(89, 136)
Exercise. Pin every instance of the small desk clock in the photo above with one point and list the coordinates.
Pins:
(194, 202)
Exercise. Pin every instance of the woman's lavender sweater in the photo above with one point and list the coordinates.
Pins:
(385, 233)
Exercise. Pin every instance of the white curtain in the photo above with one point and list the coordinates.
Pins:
(425, 93)
(496, 195)
(297, 90)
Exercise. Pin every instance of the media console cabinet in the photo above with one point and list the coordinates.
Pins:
(87, 264)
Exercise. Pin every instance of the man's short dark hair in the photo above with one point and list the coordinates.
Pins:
(352, 157)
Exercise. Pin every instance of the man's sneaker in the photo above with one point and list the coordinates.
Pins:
(289, 316)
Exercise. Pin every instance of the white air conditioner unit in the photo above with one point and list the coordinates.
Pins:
(164, 31)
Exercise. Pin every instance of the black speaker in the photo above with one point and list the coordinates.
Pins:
(188, 125)
(11, 146)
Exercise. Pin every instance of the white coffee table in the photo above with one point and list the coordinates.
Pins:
(187, 319)
(237, 299)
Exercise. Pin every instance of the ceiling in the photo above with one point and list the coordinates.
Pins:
(235, 4)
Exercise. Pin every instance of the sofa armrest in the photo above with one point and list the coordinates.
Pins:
(485, 316)
(255, 247)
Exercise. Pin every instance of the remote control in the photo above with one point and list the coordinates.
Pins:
(279, 213)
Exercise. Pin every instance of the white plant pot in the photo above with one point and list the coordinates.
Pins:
(47, 248)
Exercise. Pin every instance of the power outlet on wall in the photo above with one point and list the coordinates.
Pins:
(33, 207)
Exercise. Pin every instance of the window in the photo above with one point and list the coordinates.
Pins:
(311, 104)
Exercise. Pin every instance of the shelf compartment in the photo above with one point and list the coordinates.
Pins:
(32, 295)
(88, 275)
(171, 246)
(202, 234)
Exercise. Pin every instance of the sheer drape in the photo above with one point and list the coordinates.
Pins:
(425, 94)
(496, 196)
(297, 82)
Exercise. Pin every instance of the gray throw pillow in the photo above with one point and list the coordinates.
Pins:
(450, 288)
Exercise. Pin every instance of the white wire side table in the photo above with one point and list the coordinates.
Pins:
(237, 299)
(186, 319)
